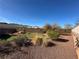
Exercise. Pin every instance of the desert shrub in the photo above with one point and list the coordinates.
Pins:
(21, 40)
(38, 38)
(53, 34)
(39, 41)
(5, 47)
(12, 38)
(3, 43)
(31, 35)
(34, 37)
(48, 43)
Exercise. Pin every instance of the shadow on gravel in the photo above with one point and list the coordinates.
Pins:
(5, 50)
(61, 40)
(5, 36)
(50, 44)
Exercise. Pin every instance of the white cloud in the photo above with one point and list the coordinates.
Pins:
(5, 20)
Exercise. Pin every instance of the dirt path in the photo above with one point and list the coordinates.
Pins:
(62, 50)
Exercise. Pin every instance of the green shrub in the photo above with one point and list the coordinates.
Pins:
(12, 38)
(30, 35)
(20, 40)
(23, 41)
(53, 34)
(19, 37)
(5, 43)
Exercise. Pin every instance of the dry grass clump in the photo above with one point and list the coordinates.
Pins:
(14, 43)
(40, 39)
(25, 40)
(20, 40)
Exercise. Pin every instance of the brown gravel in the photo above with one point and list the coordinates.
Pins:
(62, 50)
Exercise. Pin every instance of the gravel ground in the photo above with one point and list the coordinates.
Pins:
(62, 50)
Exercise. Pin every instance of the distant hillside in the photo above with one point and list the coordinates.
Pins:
(12, 25)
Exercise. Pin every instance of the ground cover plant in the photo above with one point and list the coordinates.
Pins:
(53, 34)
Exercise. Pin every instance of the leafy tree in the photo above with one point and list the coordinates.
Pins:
(56, 26)
(47, 27)
(68, 26)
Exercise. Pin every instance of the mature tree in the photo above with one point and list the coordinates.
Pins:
(56, 26)
(68, 26)
(47, 27)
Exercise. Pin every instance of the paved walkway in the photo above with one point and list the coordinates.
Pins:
(62, 50)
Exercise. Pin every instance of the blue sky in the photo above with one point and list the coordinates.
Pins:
(39, 12)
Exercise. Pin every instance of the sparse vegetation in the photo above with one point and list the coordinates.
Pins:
(3, 43)
(39, 41)
(53, 34)
(38, 37)
(29, 37)
(20, 40)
